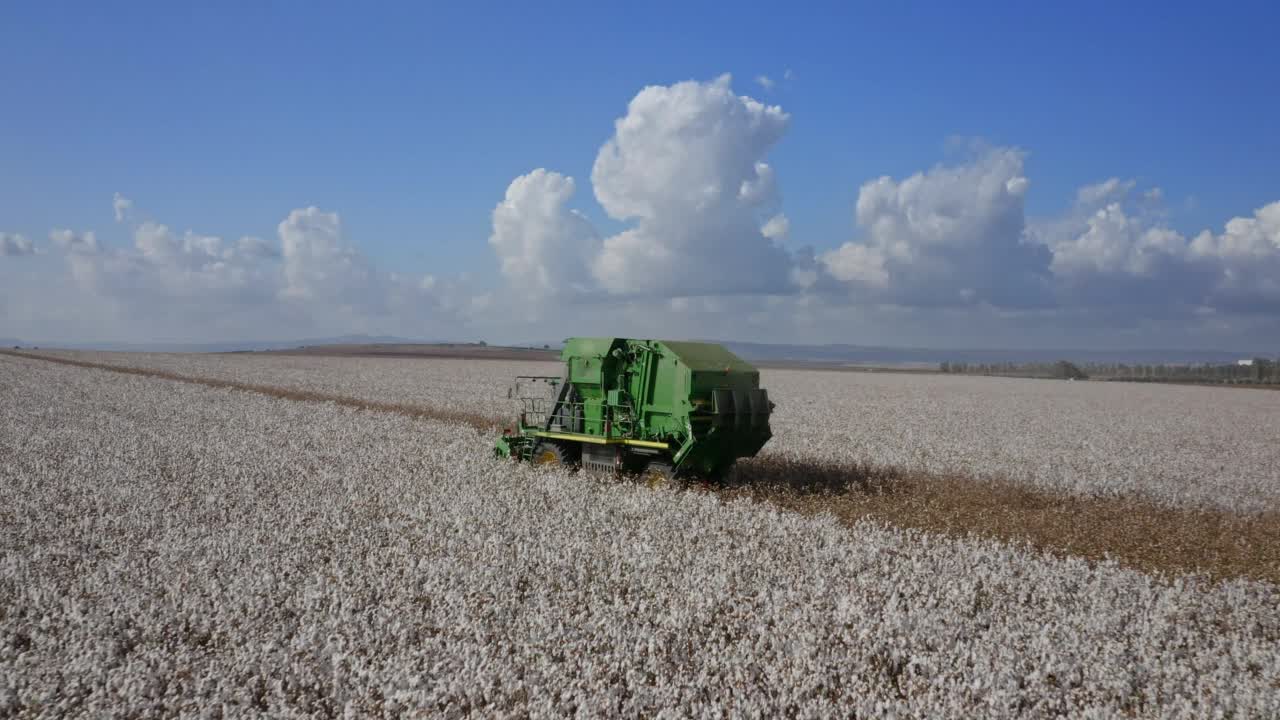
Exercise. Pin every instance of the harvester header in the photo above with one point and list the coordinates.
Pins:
(648, 406)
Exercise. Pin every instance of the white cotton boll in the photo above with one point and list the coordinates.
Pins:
(305, 558)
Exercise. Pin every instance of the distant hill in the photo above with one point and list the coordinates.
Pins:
(761, 353)
(878, 355)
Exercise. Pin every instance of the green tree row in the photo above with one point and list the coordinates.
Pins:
(1259, 371)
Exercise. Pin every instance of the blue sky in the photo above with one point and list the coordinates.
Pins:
(410, 123)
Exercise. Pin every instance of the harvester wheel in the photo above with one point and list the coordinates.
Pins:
(551, 453)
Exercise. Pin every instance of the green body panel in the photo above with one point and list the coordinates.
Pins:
(699, 401)
(707, 356)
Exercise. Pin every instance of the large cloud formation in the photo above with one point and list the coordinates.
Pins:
(318, 264)
(687, 165)
(543, 247)
(691, 239)
(311, 279)
(686, 174)
(1244, 260)
(1113, 246)
(950, 236)
(686, 169)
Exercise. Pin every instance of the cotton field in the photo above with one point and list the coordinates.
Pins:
(169, 548)
(1178, 446)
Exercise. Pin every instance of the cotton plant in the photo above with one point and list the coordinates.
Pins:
(1180, 447)
(176, 549)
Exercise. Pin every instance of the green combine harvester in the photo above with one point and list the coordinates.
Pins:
(653, 407)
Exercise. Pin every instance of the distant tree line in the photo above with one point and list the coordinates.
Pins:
(1060, 370)
(1258, 371)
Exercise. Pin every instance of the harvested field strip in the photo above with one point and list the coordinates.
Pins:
(1135, 533)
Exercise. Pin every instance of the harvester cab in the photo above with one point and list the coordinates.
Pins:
(645, 406)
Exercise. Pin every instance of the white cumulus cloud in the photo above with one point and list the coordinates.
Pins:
(776, 228)
(1245, 261)
(953, 235)
(14, 245)
(1115, 242)
(687, 166)
(859, 264)
(543, 247)
(162, 267)
(85, 243)
(122, 206)
(320, 264)
(312, 280)
(686, 170)
(1113, 246)
(1103, 193)
(1243, 238)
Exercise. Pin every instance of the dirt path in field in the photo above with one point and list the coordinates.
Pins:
(1131, 531)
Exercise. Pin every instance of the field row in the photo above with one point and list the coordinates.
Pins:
(171, 546)
(1183, 447)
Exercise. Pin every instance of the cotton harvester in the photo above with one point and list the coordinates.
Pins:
(652, 407)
